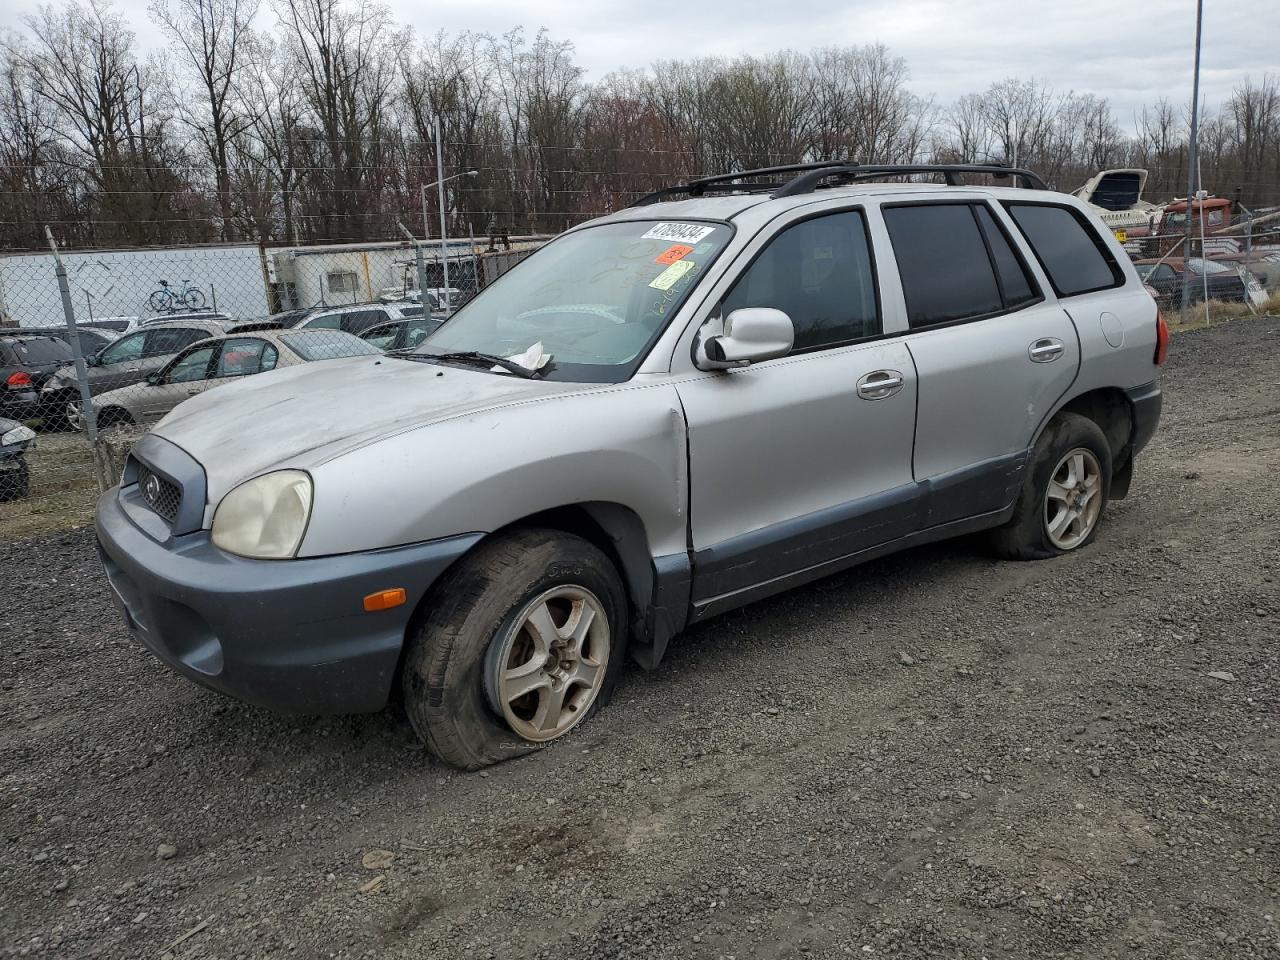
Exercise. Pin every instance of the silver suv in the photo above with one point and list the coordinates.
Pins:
(726, 390)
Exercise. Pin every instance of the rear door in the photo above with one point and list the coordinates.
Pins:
(991, 351)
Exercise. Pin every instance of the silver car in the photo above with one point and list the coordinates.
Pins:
(216, 362)
(726, 390)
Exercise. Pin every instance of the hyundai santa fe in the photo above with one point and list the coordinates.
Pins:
(728, 389)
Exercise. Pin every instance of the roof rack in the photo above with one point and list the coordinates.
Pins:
(813, 175)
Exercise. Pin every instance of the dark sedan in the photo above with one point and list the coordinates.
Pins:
(26, 364)
(15, 440)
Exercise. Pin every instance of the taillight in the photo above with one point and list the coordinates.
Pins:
(18, 381)
(1162, 339)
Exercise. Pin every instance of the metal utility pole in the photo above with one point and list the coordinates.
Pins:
(1193, 161)
(422, 269)
(444, 239)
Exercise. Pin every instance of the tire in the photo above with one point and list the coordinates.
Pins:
(193, 298)
(160, 301)
(1028, 534)
(477, 629)
(15, 484)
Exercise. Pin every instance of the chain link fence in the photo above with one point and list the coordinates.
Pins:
(154, 328)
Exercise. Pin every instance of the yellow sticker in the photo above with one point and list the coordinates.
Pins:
(1122, 236)
(668, 277)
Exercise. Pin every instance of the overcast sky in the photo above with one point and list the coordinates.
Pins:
(1131, 53)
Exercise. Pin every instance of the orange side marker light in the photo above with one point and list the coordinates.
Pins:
(384, 600)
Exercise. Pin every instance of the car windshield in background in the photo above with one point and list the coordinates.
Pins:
(595, 299)
(41, 350)
(327, 345)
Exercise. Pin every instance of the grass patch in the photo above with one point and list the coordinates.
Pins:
(63, 488)
(1218, 311)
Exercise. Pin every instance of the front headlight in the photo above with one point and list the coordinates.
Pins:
(17, 435)
(265, 517)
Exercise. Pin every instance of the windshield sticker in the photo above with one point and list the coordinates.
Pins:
(679, 232)
(677, 251)
(668, 277)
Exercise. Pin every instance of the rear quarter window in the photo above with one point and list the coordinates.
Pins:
(1068, 248)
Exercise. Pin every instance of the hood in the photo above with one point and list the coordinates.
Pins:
(303, 415)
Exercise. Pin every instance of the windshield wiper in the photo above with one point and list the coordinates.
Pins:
(487, 359)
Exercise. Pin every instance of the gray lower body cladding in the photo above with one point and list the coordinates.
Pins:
(290, 635)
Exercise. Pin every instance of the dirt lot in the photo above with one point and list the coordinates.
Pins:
(934, 755)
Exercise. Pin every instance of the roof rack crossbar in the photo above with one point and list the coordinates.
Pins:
(812, 175)
(728, 181)
(809, 181)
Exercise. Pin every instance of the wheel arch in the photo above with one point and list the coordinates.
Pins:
(1112, 410)
(656, 588)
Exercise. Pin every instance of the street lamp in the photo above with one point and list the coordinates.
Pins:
(439, 182)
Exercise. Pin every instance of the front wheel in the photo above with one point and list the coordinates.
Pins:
(161, 301)
(1064, 493)
(15, 483)
(519, 644)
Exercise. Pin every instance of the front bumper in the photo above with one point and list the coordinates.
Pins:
(290, 635)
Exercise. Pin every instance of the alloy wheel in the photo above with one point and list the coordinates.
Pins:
(547, 671)
(1073, 501)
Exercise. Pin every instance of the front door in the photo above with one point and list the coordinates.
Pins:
(800, 461)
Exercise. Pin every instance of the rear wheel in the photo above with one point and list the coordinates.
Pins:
(1064, 493)
(521, 642)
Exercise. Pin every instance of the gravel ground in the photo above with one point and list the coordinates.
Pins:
(937, 754)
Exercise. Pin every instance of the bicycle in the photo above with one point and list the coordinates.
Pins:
(166, 299)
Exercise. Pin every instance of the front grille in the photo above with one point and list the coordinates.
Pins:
(161, 496)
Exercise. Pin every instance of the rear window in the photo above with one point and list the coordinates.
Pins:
(42, 350)
(946, 273)
(327, 345)
(1071, 252)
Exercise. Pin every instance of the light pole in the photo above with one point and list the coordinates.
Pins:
(1193, 173)
(440, 181)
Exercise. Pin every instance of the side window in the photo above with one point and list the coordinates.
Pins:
(194, 366)
(942, 259)
(418, 332)
(381, 337)
(127, 348)
(240, 357)
(819, 273)
(1069, 249)
(1016, 284)
(329, 321)
(161, 343)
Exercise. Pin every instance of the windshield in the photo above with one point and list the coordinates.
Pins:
(327, 345)
(595, 298)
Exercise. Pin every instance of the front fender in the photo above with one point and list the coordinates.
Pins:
(483, 471)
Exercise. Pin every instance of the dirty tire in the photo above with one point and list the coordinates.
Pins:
(473, 606)
(1025, 536)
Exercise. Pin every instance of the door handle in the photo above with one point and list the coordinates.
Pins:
(1045, 350)
(880, 384)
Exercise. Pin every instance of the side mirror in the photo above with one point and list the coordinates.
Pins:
(91, 360)
(747, 335)
(154, 379)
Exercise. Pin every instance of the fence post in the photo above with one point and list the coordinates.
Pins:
(422, 269)
(88, 415)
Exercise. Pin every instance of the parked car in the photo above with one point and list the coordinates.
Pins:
(356, 318)
(1228, 283)
(214, 362)
(15, 440)
(27, 363)
(126, 361)
(729, 389)
(117, 325)
(401, 334)
(91, 339)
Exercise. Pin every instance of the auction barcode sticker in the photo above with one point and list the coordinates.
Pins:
(683, 232)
